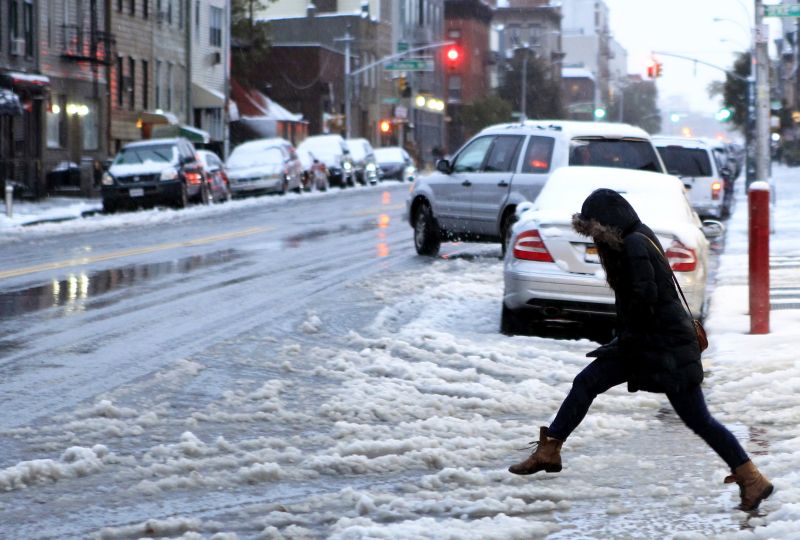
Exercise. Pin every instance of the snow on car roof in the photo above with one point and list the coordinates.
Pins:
(572, 128)
(262, 143)
(659, 199)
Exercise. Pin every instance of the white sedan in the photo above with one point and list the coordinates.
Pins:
(553, 274)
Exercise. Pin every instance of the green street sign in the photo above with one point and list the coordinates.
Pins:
(410, 64)
(782, 10)
(402, 46)
(390, 100)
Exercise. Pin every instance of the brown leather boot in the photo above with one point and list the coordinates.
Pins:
(753, 486)
(546, 457)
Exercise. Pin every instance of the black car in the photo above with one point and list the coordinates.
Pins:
(394, 162)
(154, 171)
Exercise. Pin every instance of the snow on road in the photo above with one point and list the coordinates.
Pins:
(404, 429)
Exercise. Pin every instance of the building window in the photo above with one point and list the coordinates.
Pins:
(91, 127)
(131, 83)
(55, 118)
(132, 7)
(119, 6)
(145, 84)
(169, 11)
(158, 84)
(27, 21)
(215, 33)
(197, 19)
(13, 20)
(146, 9)
(120, 81)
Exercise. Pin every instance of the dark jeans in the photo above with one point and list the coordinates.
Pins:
(690, 405)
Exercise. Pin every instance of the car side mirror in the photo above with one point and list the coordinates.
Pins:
(443, 166)
(712, 228)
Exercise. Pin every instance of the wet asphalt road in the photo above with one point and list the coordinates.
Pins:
(71, 333)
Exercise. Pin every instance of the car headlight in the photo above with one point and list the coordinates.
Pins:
(347, 165)
(169, 174)
(107, 179)
(371, 167)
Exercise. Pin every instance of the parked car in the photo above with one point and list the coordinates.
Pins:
(363, 158)
(216, 176)
(154, 171)
(553, 274)
(315, 173)
(264, 165)
(693, 161)
(395, 163)
(333, 152)
(473, 197)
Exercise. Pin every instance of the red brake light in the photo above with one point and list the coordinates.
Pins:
(530, 247)
(193, 177)
(716, 189)
(681, 258)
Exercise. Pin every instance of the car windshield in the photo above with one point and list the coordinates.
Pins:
(389, 155)
(683, 161)
(634, 154)
(137, 155)
(255, 156)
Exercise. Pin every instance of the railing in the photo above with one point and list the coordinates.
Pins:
(81, 44)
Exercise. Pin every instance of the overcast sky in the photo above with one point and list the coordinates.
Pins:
(687, 28)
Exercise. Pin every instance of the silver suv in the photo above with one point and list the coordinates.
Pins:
(473, 197)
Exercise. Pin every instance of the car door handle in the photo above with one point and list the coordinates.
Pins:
(502, 183)
(466, 183)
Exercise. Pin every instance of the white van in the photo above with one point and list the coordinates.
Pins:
(693, 161)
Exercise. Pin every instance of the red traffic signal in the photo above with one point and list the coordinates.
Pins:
(385, 126)
(453, 56)
(654, 68)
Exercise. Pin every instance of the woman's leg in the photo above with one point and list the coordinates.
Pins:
(691, 407)
(595, 379)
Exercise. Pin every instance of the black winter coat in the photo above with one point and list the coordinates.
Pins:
(656, 336)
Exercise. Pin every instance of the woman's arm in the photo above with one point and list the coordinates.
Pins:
(644, 291)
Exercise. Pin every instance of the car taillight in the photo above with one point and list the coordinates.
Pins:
(716, 190)
(681, 258)
(194, 177)
(530, 247)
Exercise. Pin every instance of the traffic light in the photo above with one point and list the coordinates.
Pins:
(599, 113)
(453, 56)
(654, 68)
(724, 115)
(385, 126)
(403, 87)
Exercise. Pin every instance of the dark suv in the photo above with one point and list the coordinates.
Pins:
(154, 171)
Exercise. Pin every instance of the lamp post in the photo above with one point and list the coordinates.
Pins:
(523, 90)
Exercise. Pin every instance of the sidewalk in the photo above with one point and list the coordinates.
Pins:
(51, 209)
(754, 380)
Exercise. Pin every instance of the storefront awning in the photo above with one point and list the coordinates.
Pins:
(205, 98)
(9, 103)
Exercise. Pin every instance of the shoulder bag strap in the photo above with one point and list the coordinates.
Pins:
(677, 285)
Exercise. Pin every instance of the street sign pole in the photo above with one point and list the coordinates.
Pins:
(347, 39)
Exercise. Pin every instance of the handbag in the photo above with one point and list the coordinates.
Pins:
(702, 338)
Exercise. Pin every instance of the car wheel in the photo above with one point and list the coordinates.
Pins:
(505, 231)
(427, 237)
(205, 194)
(109, 207)
(511, 322)
(182, 201)
(284, 186)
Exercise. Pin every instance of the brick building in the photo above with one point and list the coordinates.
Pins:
(21, 142)
(467, 22)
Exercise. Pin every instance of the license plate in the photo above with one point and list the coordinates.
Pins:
(137, 192)
(590, 255)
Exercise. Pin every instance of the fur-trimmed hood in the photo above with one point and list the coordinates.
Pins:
(606, 217)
